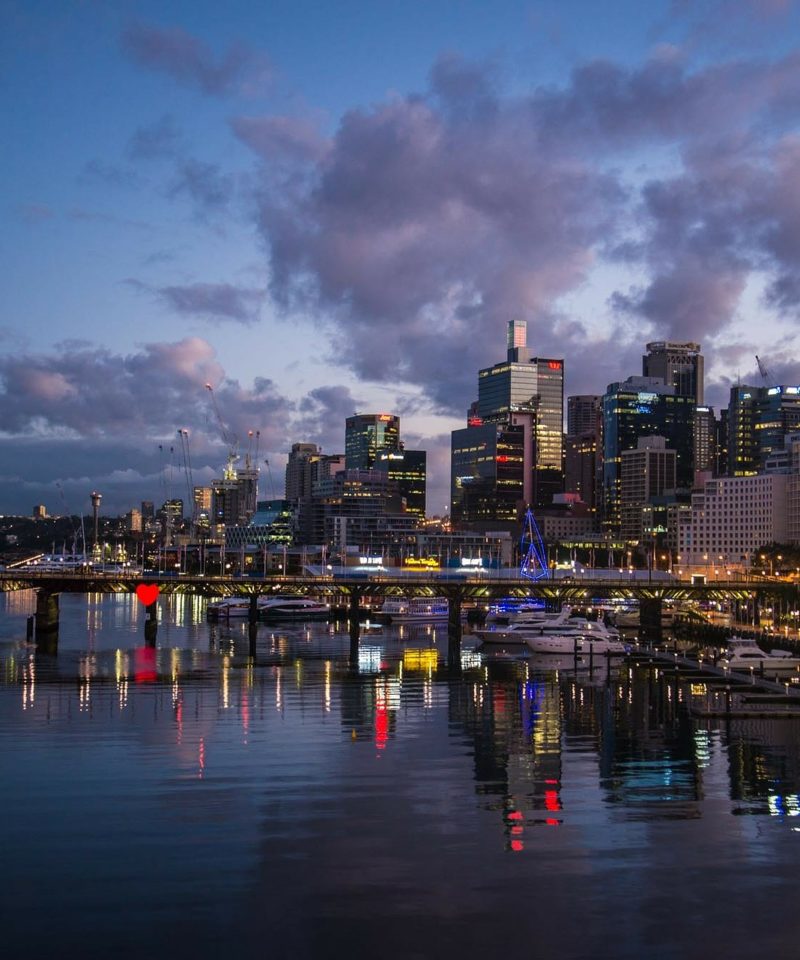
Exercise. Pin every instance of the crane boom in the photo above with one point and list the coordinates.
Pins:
(762, 369)
(229, 439)
(187, 469)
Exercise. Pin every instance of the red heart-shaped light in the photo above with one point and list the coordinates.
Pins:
(147, 593)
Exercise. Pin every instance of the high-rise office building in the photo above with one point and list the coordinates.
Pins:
(367, 435)
(582, 473)
(641, 407)
(759, 418)
(489, 479)
(705, 440)
(646, 473)
(531, 387)
(298, 470)
(408, 469)
(584, 414)
(583, 449)
(679, 365)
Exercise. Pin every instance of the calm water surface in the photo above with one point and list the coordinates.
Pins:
(191, 801)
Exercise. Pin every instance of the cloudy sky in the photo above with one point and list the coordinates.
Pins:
(330, 208)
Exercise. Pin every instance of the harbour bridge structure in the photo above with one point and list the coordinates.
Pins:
(349, 591)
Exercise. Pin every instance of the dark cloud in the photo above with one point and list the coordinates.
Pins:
(216, 302)
(191, 62)
(82, 418)
(278, 138)
(426, 222)
(321, 416)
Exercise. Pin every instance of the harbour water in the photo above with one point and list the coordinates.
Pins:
(190, 800)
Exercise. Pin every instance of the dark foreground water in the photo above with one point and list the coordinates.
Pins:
(189, 802)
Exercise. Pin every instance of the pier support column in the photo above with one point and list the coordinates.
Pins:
(355, 626)
(252, 636)
(252, 610)
(650, 619)
(151, 624)
(454, 632)
(47, 621)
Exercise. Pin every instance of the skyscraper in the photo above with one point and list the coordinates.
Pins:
(535, 386)
(511, 453)
(368, 434)
(758, 420)
(679, 365)
(584, 414)
(298, 471)
(641, 407)
(408, 469)
(647, 472)
(705, 440)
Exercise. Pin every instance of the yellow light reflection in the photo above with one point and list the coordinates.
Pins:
(226, 693)
(327, 687)
(427, 660)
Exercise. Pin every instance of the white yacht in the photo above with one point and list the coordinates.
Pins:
(744, 653)
(582, 644)
(509, 611)
(415, 610)
(564, 625)
(229, 607)
(269, 608)
(293, 608)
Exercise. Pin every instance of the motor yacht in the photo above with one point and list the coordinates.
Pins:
(415, 610)
(269, 608)
(577, 644)
(563, 625)
(743, 653)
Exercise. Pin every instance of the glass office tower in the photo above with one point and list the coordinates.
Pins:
(368, 434)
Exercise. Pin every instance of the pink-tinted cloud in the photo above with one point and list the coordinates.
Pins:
(426, 222)
(188, 60)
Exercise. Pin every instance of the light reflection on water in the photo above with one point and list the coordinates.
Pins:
(183, 799)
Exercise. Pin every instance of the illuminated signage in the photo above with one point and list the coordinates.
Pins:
(471, 562)
(384, 417)
(554, 364)
(429, 563)
(371, 561)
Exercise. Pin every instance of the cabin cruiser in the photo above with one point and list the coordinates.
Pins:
(415, 610)
(510, 610)
(564, 625)
(577, 644)
(744, 653)
(293, 608)
(229, 607)
(269, 608)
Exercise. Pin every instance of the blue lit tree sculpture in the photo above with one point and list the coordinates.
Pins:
(531, 548)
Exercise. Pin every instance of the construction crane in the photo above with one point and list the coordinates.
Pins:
(269, 477)
(166, 483)
(766, 376)
(229, 439)
(253, 443)
(183, 435)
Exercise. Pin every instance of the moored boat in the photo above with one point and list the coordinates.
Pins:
(268, 608)
(744, 653)
(417, 609)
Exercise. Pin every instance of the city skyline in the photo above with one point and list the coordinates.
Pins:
(188, 201)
